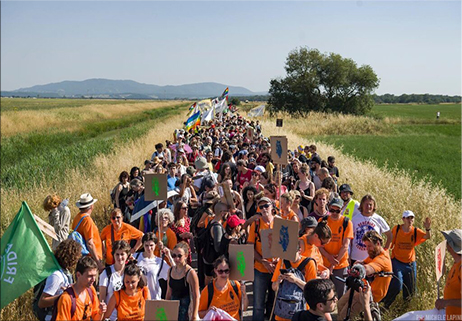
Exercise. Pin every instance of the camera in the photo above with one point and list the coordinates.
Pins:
(284, 271)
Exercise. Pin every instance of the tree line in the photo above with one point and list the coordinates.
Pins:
(415, 98)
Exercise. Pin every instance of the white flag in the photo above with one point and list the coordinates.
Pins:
(257, 111)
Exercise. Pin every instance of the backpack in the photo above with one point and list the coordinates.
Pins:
(344, 224)
(206, 241)
(113, 193)
(40, 313)
(396, 234)
(290, 297)
(76, 236)
(70, 291)
(211, 289)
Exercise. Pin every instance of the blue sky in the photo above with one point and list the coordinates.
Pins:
(413, 46)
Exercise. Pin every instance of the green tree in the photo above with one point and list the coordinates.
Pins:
(321, 82)
(235, 101)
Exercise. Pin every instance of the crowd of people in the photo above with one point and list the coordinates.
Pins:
(223, 189)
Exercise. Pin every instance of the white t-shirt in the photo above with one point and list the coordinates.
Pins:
(113, 284)
(361, 225)
(55, 284)
(151, 268)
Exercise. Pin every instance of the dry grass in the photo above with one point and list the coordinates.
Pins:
(16, 121)
(395, 192)
(101, 176)
(332, 124)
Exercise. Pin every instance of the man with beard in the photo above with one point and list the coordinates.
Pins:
(377, 261)
(350, 206)
(315, 166)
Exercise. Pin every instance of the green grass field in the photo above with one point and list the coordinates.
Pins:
(428, 148)
(44, 156)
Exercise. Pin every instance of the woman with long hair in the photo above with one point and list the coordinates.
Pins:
(59, 217)
(181, 225)
(300, 210)
(130, 301)
(250, 203)
(225, 173)
(121, 191)
(305, 186)
(183, 284)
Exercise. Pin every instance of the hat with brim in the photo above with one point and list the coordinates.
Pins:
(336, 202)
(86, 200)
(454, 239)
(264, 200)
(407, 214)
(210, 197)
(201, 163)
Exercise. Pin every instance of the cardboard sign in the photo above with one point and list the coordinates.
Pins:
(278, 122)
(156, 187)
(440, 253)
(46, 228)
(241, 261)
(161, 310)
(266, 239)
(227, 196)
(284, 239)
(279, 149)
(249, 132)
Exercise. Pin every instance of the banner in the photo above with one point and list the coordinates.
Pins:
(257, 111)
(26, 257)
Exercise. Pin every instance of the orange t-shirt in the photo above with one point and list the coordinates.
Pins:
(171, 242)
(336, 242)
(226, 299)
(311, 251)
(379, 286)
(256, 239)
(404, 244)
(89, 230)
(289, 216)
(131, 308)
(310, 274)
(126, 232)
(88, 309)
(452, 291)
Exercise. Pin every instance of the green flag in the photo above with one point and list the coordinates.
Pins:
(26, 258)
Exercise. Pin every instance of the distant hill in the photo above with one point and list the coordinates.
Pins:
(106, 88)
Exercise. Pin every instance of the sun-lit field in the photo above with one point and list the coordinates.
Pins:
(90, 157)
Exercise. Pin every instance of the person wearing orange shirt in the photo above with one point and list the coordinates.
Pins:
(335, 253)
(263, 268)
(310, 244)
(228, 296)
(405, 238)
(286, 212)
(118, 231)
(377, 261)
(130, 301)
(88, 229)
(452, 291)
(83, 294)
(309, 272)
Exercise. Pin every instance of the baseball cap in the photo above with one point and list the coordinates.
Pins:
(234, 221)
(336, 202)
(264, 199)
(408, 214)
(454, 239)
(260, 169)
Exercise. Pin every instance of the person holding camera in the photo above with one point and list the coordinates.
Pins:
(377, 261)
(322, 299)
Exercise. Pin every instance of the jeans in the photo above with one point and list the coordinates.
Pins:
(404, 274)
(184, 307)
(261, 286)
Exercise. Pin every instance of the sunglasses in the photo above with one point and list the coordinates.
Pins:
(334, 298)
(335, 211)
(184, 208)
(226, 271)
(177, 256)
(264, 206)
(116, 217)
